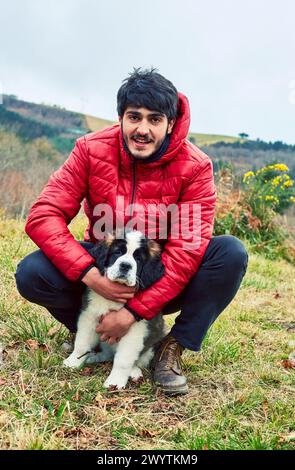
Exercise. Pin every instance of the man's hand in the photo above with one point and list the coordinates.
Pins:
(114, 325)
(108, 289)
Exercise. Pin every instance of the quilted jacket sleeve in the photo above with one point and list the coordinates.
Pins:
(182, 255)
(57, 205)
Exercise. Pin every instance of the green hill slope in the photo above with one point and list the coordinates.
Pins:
(54, 120)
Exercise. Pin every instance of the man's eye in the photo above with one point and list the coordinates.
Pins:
(156, 120)
(133, 118)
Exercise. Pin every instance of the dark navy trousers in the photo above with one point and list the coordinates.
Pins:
(207, 294)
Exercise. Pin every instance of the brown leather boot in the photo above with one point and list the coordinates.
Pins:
(166, 367)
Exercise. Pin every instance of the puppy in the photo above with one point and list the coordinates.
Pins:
(134, 261)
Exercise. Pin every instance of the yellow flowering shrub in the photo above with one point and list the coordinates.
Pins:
(269, 190)
(249, 213)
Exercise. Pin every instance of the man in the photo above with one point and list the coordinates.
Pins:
(144, 161)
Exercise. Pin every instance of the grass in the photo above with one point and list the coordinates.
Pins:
(241, 396)
(97, 124)
(210, 139)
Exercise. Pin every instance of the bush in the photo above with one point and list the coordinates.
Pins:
(251, 214)
(269, 190)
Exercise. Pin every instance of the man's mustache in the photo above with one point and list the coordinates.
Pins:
(142, 137)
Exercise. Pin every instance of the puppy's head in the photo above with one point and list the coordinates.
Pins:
(133, 260)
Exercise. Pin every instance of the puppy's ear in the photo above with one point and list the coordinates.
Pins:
(100, 253)
(153, 269)
(151, 272)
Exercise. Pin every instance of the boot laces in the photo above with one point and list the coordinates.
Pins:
(174, 351)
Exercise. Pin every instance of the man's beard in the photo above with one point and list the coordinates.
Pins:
(137, 154)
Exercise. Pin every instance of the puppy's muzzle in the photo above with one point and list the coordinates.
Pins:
(125, 268)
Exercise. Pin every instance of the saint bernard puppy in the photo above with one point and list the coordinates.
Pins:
(135, 261)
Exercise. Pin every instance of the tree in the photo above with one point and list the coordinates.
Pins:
(243, 135)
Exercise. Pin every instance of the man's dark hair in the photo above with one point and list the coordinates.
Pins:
(148, 89)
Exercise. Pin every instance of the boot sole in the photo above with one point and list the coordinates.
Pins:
(170, 391)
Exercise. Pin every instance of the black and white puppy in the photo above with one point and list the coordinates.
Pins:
(134, 261)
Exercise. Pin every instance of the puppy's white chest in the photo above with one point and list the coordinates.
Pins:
(98, 305)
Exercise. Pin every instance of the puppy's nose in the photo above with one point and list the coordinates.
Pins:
(125, 267)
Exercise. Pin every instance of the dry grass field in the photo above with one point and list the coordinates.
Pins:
(241, 383)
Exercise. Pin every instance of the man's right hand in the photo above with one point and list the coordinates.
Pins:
(108, 289)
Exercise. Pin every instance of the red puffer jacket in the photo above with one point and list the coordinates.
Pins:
(99, 170)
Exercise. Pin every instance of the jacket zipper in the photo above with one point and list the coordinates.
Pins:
(133, 185)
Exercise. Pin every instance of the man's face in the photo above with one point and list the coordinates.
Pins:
(144, 130)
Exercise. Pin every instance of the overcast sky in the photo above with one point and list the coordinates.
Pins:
(234, 60)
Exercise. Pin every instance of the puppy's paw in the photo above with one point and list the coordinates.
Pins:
(136, 374)
(116, 381)
(73, 362)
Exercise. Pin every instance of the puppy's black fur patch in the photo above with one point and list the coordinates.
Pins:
(105, 254)
(149, 265)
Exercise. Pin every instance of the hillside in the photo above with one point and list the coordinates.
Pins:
(22, 117)
(35, 139)
(31, 120)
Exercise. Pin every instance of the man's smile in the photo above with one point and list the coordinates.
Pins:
(141, 142)
(139, 139)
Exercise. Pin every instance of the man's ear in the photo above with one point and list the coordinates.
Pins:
(170, 125)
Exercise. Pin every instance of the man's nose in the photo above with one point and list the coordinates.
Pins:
(143, 128)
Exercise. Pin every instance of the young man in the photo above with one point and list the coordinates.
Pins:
(145, 161)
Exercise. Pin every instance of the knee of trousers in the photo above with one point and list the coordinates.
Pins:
(27, 278)
(235, 252)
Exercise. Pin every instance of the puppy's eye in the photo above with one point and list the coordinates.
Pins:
(117, 251)
(140, 257)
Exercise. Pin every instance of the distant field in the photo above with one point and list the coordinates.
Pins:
(208, 139)
(97, 124)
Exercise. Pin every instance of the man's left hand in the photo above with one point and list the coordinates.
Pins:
(114, 325)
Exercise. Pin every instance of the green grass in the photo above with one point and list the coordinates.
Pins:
(210, 139)
(241, 396)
